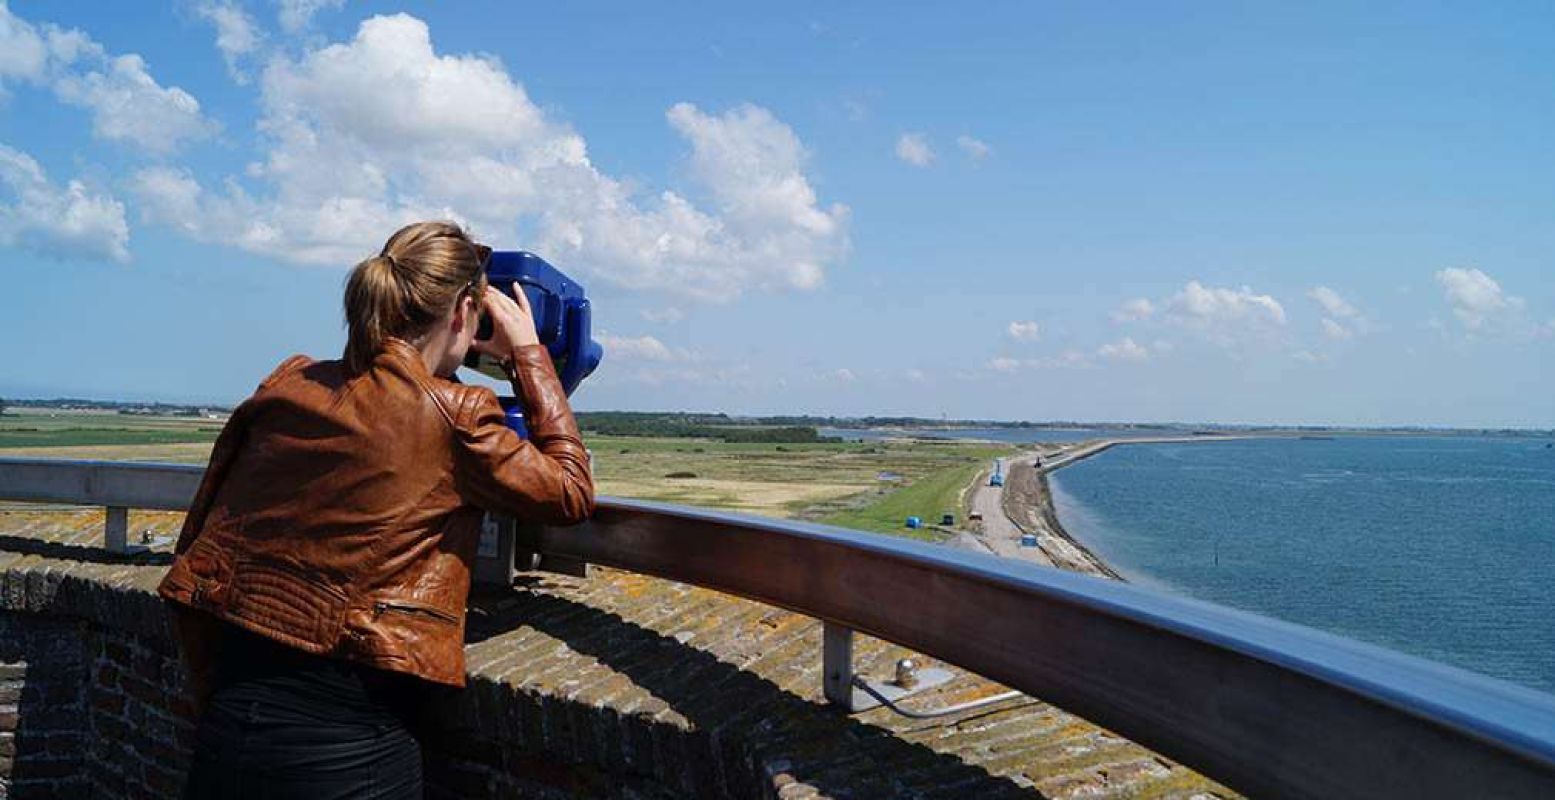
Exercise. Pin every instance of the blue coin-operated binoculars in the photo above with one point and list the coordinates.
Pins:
(562, 319)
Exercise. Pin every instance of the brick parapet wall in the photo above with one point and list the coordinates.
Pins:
(613, 686)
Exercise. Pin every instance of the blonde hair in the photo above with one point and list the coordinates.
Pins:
(422, 272)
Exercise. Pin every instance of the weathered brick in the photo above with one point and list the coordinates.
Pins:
(107, 701)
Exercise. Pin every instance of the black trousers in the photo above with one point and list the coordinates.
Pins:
(249, 750)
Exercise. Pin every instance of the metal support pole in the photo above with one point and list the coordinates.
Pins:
(837, 664)
(117, 529)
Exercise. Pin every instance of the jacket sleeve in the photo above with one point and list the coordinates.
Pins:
(543, 479)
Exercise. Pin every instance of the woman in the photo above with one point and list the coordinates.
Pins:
(322, 572)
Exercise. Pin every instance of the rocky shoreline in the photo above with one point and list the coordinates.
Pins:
(1028, 502)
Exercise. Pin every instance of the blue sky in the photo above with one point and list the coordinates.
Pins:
(1191, 212)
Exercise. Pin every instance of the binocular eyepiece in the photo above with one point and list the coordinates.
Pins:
(561, 312)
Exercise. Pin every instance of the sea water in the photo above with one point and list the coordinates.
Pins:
(1007, 435)
(1442, 547)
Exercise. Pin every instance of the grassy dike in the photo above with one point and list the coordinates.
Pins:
(928, 497)
(871, 486)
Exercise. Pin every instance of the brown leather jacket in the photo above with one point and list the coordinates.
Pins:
(340, 513)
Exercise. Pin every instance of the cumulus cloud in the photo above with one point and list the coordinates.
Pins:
(914, 149)
(72, 221)
(1026, 331)
(1125, 349)
(1210, 307)
(1135, 310)
(844, 375)
(366, 135)
(1332, 303)
(126, 103)
(1343, 320)
(1476, 298)
(1309, 357)
(237, 36)
(1004, 364)
(975, 149)
(916, 375)
(640, 348)
(23, 49)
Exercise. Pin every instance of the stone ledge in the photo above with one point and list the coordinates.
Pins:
(622, 685)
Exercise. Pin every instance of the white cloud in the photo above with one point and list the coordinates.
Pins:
(976, 149)
(128, 105)
(1026, 331)
(1333, 304)
(914, 149)
(1309, 357)
(663, 316)
(1336, 331)
(125, 102)
(844, 374)
(366, 135)
(916, 375)
(1125, 349)
(295, 15)
(1208, 307)
(23, 50)
(237, 36)
(1343, 320)
(1475, 297)
(644, 348)
(1135, 310)
(1069, 359)
(68, 222)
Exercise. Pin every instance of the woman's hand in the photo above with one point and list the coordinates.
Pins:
(512, 323)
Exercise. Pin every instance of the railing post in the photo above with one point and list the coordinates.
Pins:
(837, 664)
(116, 530)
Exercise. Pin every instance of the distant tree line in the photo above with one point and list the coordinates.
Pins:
(118, 406)
(699, 426)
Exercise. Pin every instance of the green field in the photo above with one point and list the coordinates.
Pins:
(839, 483)
(934, 494)
(77, 429)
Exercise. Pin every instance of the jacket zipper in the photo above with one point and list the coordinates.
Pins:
(380, 607)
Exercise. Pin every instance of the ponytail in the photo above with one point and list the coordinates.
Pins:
(401, 292)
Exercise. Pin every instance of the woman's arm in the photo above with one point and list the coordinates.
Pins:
(543, 479)
(547, 477)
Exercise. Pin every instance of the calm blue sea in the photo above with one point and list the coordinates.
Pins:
(1440, 547)
(1011, 435)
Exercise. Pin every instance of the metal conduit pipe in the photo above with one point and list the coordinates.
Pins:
(937, 712)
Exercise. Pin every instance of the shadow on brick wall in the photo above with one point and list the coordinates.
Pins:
(41, 715)
(741, 735)
(90, 554)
